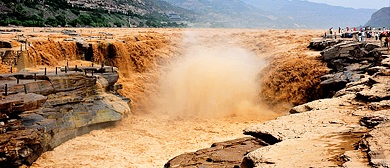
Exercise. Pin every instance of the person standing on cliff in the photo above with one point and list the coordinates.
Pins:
(387, 40)
(381, 36)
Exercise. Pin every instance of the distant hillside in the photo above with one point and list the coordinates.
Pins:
(233, 14)
(314, 15)
(275, 14)
(93, 13)
(380, 18)
(140, 7)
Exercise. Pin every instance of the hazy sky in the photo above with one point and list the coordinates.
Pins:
(371, 4)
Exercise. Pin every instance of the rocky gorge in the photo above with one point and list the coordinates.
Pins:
(350, 129)
(65, 103)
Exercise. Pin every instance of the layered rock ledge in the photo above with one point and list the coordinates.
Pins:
(41, 110)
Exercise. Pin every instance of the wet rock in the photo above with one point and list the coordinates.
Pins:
(343, 50)
(228, 154)
(337, 82)
(321, 44)
(29, 119)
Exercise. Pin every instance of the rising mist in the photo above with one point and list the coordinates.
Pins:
(213, 80)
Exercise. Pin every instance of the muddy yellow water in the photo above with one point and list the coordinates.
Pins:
(144, 141)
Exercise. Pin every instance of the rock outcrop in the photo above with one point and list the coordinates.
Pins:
(348, 130)
(39, 110)
(321, 44)
(221, 154)
(350, 61)
(316, 138)
(351, 51)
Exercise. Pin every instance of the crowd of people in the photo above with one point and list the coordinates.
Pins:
(381, 34)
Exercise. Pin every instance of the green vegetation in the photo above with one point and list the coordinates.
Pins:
(56, 13)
